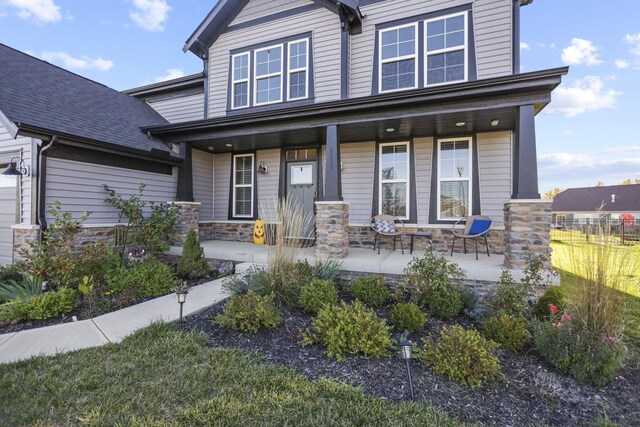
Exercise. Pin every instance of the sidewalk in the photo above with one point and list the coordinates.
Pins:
(108, 328)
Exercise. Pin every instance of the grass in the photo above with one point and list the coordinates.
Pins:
(163, 376)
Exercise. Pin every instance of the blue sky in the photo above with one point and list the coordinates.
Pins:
(584, 136)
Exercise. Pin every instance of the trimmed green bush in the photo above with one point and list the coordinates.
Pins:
(552, 295)
(148, 278)
(407, 316)
(463, 356)
(249, 312)
(349, 329)
(316, 294)
(444, 301)
(508, 331)
(371, 290)
(511, 297)
(44, 306)
(192, 264)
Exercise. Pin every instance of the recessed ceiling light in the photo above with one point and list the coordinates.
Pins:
(495, 122)
(460, 124)
(210, 148)
(229, 145)
(390, 130)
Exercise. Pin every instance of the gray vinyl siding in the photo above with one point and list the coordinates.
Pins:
(8, 144)
(78, 187)
(258, 8)
(180, 108)
(492, 25)
(494, 169)
(423, 148)
(268, 183)
(325, 28)
(358, 162)
(203, 183)
(221, 182)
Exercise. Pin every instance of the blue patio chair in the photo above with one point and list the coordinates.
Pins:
(475, 226)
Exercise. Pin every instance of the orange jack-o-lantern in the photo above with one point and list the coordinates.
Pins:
(258, 233)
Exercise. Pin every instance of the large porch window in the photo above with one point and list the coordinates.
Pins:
(243, 167)
(394, 179)
(454, 178)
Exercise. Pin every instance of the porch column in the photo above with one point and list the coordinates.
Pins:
(525, 166)
(184, 190)
(333, 173)
(188, 218)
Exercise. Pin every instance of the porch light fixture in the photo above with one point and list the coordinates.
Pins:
(460, 124)
(210, 148)
(181, 292)
(11, 169)
(229, 145)
(262, 168)
(390, 130)
(405, 354)
(495, 122)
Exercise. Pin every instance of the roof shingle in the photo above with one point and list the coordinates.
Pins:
(591, 199)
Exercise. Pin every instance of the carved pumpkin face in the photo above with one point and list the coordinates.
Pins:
(259, 232)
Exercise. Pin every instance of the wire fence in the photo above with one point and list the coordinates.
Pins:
(623, 232)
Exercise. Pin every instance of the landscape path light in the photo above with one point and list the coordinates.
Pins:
(405, 353)
(182, 298)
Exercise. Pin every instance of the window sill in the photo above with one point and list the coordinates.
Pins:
(271, 106)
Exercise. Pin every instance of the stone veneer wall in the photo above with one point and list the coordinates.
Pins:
(188, 218)
(527, 229)
(363, 237)
(332, 236)
(229, 231)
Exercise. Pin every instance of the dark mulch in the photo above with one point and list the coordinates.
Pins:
(531, 392)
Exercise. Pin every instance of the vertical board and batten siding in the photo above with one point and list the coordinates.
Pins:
(358, 162)
(494, 169)
(492, 25)
(8, 144)
(269, 183)
(180, 108)
(325, 28)
(203, 183)
(221, 182)
(79, 187)
(258, 8)
(423, 149)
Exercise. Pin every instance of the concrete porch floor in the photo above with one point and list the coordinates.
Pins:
(359, 259)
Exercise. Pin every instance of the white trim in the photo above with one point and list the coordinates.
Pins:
(246, 80)
(297, 70)
(406, 180)
(267, 76)
(516, 201)
(398, 58)
(468, 179)
(233, 193)
(465, 48)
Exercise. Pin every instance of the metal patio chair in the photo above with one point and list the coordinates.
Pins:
(476, 226)
(387, 225)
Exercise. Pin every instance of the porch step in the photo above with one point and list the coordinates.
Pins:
(243, 267)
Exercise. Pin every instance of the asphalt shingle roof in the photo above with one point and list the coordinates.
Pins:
(36, 93)
(590, 199)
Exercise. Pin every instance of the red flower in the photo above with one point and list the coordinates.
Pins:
(565, 317)
(553, 309)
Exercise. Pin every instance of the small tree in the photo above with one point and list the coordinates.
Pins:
(192, 264)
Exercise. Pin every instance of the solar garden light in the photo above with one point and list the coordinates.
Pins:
(181, 292)
(405, 353)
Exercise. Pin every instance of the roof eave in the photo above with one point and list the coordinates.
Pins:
(191, 80)
(9, 125)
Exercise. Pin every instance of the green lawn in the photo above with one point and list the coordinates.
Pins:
(163, 376)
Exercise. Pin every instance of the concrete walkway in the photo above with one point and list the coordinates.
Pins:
(108, 328)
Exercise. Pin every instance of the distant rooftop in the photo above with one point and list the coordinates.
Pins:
(611, 198)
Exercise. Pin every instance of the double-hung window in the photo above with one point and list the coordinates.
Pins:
(454, 178)
(446, 49)
(394, 179)
(268, 75)
(298, 69)
(398, 58)
(240, 83)
(243, 167)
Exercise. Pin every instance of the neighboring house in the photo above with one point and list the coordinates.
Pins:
(415, 108)
(597, 203)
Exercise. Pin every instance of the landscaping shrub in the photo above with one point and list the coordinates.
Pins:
(444, 301)
(554, 295)
(29, 286)
(45, 306)
(249, 312)
(407, 316)
(148, 278)
(508, 331)
(349, 329)
(371, 290)
(192, 264)
(327, 269)
(98, 261)
(463, 356)
(316, 294)
(11, 272)
(255, 279)
(511, 297)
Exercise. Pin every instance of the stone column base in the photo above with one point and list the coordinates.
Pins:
(23, 235)
(332, 236)
(527, 226)
(188, 218)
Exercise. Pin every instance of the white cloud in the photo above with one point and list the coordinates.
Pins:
(150, 15)
(172, 73)
(568, 169)
(77, 63)
(624, 149)
(621, 64)
(568, 132)
(524, 46)
(634, 41)
(38, 11)
(580, 51)
(588, 94)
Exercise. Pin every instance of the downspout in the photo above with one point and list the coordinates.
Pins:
(42, 184)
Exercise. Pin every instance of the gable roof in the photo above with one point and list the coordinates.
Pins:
(40, 98)
(590, 199)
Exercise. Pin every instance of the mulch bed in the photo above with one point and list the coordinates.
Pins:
(531, 392)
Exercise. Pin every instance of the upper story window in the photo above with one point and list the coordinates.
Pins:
(446, 49)
(298, 69)
(454, 178)
(240, 80)
(268, 75)
(398, 58)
